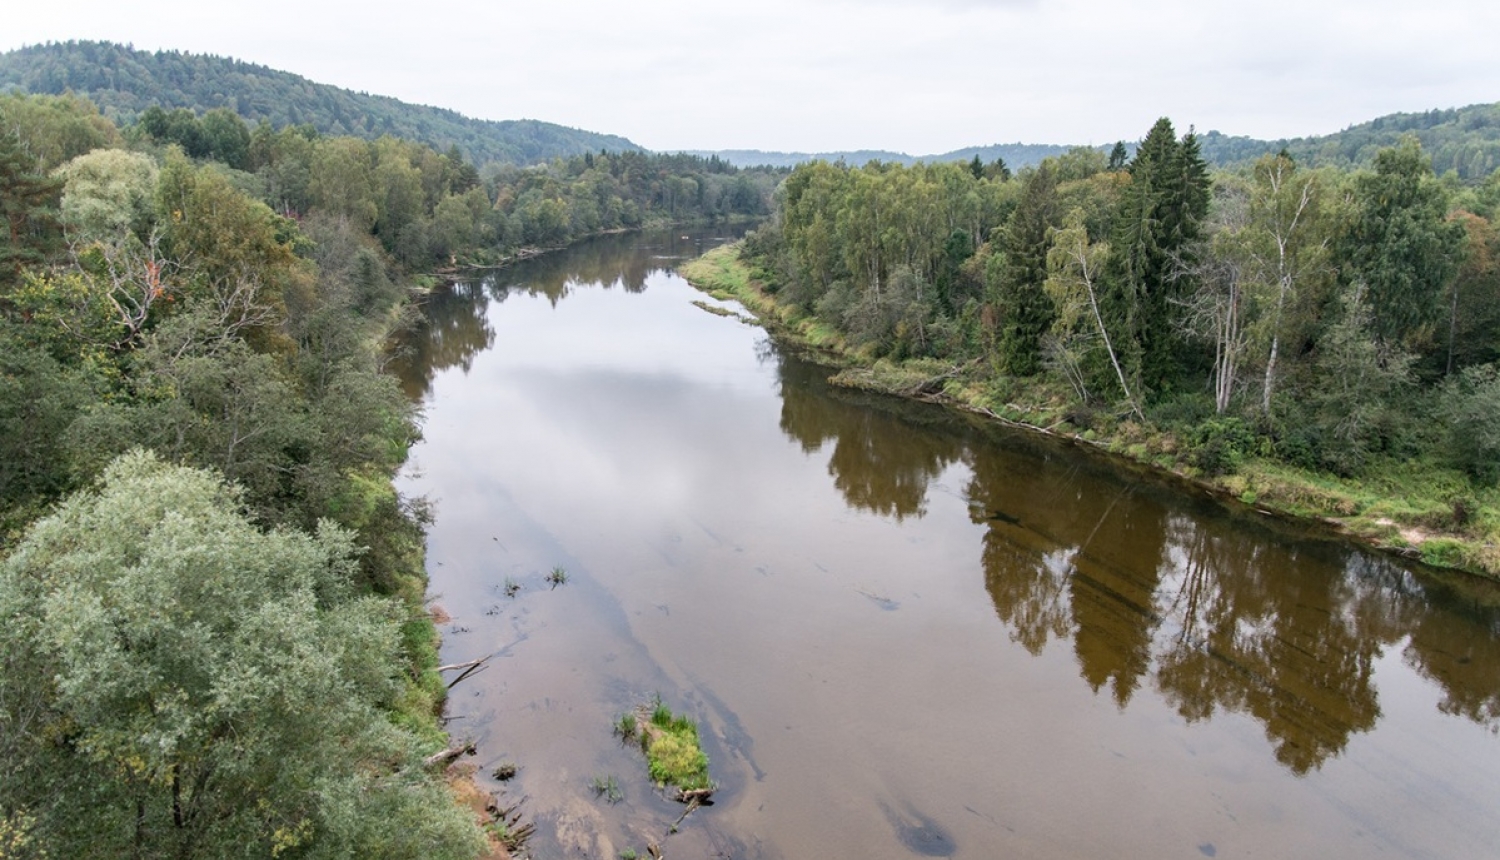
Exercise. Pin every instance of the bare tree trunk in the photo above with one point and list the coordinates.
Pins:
(1087, 278)
(1287, 273)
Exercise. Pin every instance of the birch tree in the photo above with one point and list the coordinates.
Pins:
(1289, 246)
(1074, 265)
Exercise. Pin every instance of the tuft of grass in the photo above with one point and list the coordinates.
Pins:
(625, 727)
(557, 577)
(608, 788)
(512, 588)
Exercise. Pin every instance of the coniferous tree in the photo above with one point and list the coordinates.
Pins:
(1025, 309)
(1118, 156)
(28, 208)
(1159, 219)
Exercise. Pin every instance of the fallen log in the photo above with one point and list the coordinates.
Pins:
(697, 795)
(450, 755)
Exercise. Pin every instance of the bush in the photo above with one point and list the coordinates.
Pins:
(1301, 447)
(1220, 445)
(1184, 410)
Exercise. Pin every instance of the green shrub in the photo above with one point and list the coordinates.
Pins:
(1472, 406)
(1219, 445)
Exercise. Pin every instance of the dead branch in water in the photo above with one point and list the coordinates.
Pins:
(451, 666)
(450, 755)
(692, 805)
(509, 830)
(468, 668)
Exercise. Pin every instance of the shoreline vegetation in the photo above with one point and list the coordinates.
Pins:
(1373, 512)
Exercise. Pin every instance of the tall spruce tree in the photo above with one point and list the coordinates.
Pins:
(1160, 216)
(1026, 311)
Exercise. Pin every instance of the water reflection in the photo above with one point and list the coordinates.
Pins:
(1214, 614)
(454, 327)
(877, 463)
(1463, 659)
(626, 260)
(802, 566)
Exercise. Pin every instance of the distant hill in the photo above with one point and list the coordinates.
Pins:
(761, 158)
(1464, 140)
(124, 82)
(1016, 155)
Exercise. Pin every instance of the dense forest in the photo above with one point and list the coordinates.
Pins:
(125, 83)
(211, 598)
(1336, 322)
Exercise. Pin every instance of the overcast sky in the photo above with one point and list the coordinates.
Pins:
(819, 75)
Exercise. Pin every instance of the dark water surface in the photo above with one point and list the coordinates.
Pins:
(903, 634)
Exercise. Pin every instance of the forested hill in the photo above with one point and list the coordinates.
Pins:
(123, 82)
(1464, 140)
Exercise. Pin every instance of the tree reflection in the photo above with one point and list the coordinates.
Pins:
(626, 260)
(1464, 660)
(879, 463)
(1113, 588)
(1289, 640)
(452, 330)
(1217, 615)
(1027, 568)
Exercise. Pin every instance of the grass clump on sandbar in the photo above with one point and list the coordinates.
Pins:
(674, 755)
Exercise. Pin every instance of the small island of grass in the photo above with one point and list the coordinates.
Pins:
(674, 756)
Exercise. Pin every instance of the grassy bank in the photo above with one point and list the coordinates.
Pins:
(1420, 510)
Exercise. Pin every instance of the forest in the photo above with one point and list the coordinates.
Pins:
(1321, 340)
(211, 596)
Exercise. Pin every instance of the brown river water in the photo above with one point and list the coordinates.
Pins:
(903, 633)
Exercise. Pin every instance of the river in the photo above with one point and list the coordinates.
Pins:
(903, 633)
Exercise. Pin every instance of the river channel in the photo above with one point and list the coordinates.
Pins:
(903, 633)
